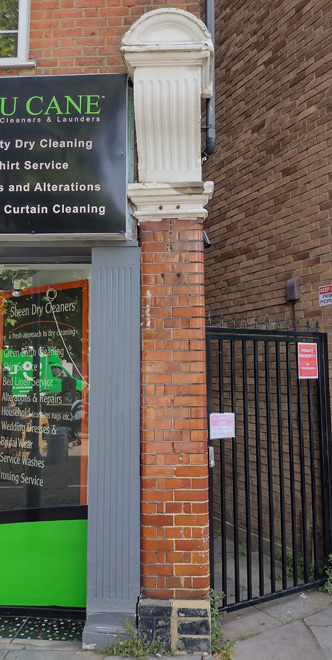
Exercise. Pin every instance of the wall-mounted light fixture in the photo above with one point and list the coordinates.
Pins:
(293, 289)
(16, 292)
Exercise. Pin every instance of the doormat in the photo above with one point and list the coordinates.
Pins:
(37, 627)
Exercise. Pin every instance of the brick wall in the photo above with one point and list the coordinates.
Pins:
(84, 36)
(270, 217)
(174, 449)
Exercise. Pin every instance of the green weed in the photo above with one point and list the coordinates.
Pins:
(243, 549)
(220, 647)
(300, 566)
(136, 646)
(327, 586)
(243, 637)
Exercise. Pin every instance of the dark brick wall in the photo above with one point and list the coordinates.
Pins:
(270, 217)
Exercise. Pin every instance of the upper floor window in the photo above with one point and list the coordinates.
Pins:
(14, 31)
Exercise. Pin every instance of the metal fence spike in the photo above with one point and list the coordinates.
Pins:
(234, 320)
(267, 322)
(256, 321)
(287, 323)
(297, 325)
(317, 326)
(277, 323)
(209, 319)
(221, 320)
(245, 321)
(307, 325)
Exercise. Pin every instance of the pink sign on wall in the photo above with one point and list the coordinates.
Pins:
(307, 359)
(222, 425)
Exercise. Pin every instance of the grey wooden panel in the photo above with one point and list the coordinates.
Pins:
(114, 432)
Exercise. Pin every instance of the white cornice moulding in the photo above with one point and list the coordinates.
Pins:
(169, 55)
(162, 201)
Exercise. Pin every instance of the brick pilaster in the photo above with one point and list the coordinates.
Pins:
(175, 533)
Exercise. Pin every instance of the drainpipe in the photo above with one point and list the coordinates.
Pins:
(210, 128)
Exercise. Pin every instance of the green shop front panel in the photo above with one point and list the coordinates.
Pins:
(44, 564)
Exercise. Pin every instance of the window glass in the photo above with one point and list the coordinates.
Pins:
(8, 28)
(44, 386)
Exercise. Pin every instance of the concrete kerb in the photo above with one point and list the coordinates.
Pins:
(11, 649)
(35, 649)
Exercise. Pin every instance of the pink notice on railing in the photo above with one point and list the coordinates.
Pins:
(222, 425)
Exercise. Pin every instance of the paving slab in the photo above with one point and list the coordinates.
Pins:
(296, 606)
(320, 619)
(292, 641)
(246, 622)
(321, 627)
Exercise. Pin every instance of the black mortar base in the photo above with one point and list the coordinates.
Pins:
(154, 620)
(190, 633)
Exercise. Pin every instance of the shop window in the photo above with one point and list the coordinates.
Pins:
(14, 31)
(44, 330)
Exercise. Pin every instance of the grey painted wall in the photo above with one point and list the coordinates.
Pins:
(114, 441)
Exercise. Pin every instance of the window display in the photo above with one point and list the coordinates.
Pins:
(44, 390)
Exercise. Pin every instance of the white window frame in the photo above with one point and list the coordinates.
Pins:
(22, 58)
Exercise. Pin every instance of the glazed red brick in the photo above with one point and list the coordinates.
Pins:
(176, 447)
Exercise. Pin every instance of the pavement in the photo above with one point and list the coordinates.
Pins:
(296, 627)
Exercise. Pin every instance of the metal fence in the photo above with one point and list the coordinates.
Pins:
(270, 491)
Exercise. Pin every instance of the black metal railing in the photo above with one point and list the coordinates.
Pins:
(270, 488)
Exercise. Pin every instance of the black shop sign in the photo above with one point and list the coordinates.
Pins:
(63, 155)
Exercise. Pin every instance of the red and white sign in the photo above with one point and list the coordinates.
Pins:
(308, 363)
(222, 425)
(325, 295)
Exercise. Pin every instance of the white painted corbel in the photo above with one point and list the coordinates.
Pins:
(169, 56)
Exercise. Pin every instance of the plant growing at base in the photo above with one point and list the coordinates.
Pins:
(218, 646)
(300, 566)
(327, 586)
(243, 549)
(136, 646)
